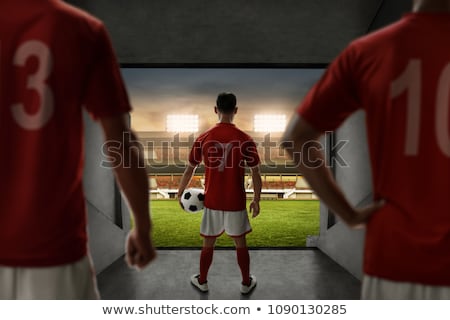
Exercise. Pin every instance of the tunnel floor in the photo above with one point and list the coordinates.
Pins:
(306, 274)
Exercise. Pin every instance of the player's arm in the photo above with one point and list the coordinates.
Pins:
(132, 177)
(185, 179)
(301, 142)
(257, 186)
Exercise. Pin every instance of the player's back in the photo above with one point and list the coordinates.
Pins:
(50, 55)
(404, 85)
(404, 88)
(226, 151)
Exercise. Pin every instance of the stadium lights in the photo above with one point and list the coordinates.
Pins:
(182, 123)
(269, 122)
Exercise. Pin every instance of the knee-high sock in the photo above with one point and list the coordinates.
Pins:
(243, 259)
(206, 258)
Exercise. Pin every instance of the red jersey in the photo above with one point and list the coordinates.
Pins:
(225, 151)
(400, 76)
(54, 59)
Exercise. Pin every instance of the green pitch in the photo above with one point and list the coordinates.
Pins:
(281, 223)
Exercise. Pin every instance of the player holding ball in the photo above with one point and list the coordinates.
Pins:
(225, 151)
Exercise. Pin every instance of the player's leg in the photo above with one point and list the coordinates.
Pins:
(210, 229)
(243, 258)
(206, 258)
(237, 225)
(200, 280)
(75, 281)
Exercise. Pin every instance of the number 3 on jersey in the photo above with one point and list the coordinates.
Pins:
(36, 82)
(410, 81)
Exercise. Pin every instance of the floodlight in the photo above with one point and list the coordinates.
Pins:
(269, 123)
(182, 123)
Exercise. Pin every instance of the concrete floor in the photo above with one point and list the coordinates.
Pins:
(304, 274)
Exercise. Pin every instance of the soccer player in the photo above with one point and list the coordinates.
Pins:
(400, 76)
(55, 59)
(225, 151)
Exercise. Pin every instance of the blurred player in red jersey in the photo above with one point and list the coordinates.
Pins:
(225, 151)
(400, 76)
(54, 59)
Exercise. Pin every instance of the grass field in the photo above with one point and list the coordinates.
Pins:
(281, 223)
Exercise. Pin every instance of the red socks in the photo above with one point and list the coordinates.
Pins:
(206, 258)
(243, 259)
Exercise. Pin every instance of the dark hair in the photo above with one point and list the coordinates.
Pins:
(226, 102)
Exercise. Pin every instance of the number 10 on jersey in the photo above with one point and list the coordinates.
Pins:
(411, 82)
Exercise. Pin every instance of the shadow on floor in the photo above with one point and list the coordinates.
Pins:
(281, 275)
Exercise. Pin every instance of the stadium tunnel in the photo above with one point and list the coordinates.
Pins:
(235, 33)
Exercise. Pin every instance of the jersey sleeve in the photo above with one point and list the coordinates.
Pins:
(334, 97)
(195, 156)
(250, 153)
(106, 94)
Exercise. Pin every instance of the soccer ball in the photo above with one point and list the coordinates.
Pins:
(192, 200)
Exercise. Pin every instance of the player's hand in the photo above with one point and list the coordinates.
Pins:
(363, 215)
(139, 249)
(254, 208)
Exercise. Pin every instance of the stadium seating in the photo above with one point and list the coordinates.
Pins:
(273, 186)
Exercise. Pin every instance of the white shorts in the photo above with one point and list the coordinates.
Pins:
(75, 281)
(233, 223)
(381, 289)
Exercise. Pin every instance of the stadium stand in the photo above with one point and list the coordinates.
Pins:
(166, 158)
(165, 186)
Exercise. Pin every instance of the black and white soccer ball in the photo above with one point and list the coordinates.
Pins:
(192, 200)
